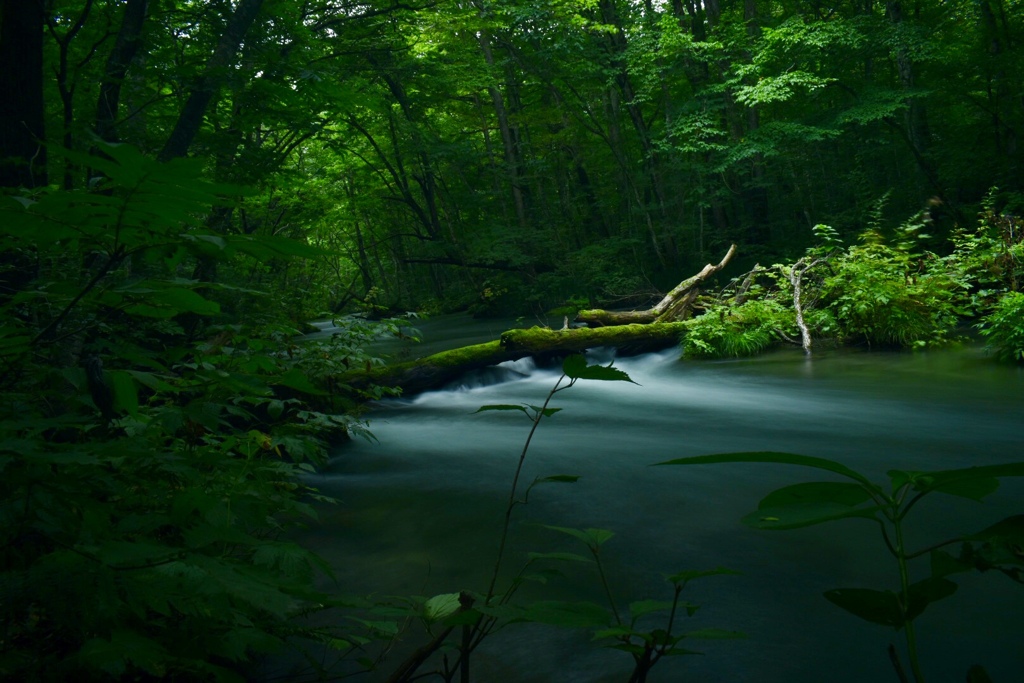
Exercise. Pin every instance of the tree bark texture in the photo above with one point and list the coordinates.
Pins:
(214, 76)
(439, 369)
(126, 46)
(22, 156)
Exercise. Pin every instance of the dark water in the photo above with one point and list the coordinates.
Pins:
(420, 512)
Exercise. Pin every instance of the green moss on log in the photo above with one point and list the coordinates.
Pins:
(437, 370)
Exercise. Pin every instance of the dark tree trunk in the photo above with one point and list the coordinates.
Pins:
(22, 157)
(126, 46)
(212, 79)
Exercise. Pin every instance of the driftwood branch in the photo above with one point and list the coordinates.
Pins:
(676, 305)
(796, 276)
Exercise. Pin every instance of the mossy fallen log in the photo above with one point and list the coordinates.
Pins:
(439, 369)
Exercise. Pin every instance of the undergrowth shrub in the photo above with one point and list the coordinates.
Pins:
(151, 444)
(1003, 327)
(887, 296)
(743, 330)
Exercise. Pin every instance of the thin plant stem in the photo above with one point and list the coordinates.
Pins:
(908, 624)
(596, 552)
(512, 492)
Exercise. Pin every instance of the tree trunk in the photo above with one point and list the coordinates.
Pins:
(126, 46)
(508, 140)
(22, 156)
(213, 77)
(439, 369)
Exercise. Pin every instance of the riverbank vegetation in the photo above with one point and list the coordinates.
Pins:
(186, 184)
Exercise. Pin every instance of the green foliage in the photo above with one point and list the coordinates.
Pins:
(151, 446)
(887, 505)
(1003, 327)
(887, 296)
(724, 331)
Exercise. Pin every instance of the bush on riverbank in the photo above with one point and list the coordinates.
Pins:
(888, 293)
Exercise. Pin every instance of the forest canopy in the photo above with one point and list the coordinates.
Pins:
(185, 184)
(510, 156)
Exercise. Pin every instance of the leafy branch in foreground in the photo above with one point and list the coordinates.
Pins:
(457, 623)
(806, 504)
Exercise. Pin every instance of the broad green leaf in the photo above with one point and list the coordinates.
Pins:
(267, 247)
(275, 408)
(296, 379)
(126, 395)
(170, 302)
(558, 479)
(641, 607)
(955, 482)
(575, 367)
(566, 614)
(1010, 529)
(975, 488)
(943, 564)
(148, 379)
(122, 553)
(838, 492)
(801, 515)
(925, 592)
(613, 632)
(776, 458)
(506, 406)
(441, 606)
(879, 607)
(999, 546)
(548, 412)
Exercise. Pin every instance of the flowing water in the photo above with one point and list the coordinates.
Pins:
(420, 512)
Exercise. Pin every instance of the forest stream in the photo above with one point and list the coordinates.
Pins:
(420, 511)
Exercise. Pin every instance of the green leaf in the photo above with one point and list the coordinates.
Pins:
(126, 396)
(296, 379)
(879, 607)
(575, 367)
(558, 479)
(841, 493)
(151, 381)
(998, 546)
(641, 607)
(943, 564)
(506, 406)
(779, 459)
(170, 302)
(441, 606)
(268, 247)
(275, 408)
(547, 412)
(971, 482)
(802, 515)
(613, 632)
(925, 592)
